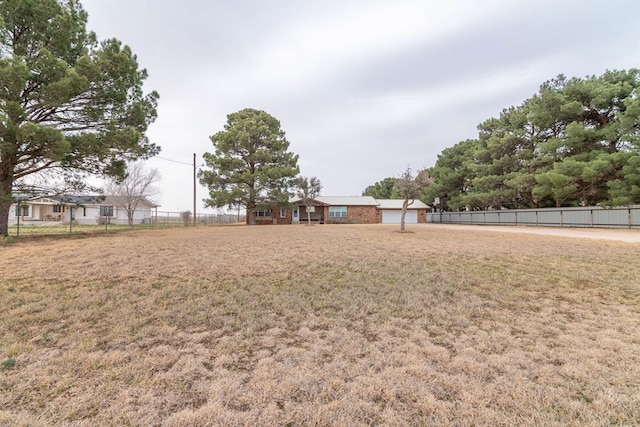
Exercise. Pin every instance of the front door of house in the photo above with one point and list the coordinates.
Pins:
(295, 215)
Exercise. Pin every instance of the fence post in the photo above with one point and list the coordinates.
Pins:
(19, 212)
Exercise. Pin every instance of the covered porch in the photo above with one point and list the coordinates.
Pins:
(48, 210)
(38, 212)
(315, 213)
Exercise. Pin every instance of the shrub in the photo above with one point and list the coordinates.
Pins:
(7, 240)
(9, 363)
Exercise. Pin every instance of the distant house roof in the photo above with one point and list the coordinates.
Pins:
(114, 200)
(65, 199)
(346, 200)
(397, 204)
(82, 200)
(19, 197)
(73, 199)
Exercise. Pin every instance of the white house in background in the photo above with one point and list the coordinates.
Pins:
(43, 210)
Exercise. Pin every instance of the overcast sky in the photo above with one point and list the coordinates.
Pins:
(363, 89)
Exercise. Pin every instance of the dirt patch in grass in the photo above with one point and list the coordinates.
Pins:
(327, 325)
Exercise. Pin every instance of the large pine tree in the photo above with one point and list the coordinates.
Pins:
(68, 104)
(251, 165)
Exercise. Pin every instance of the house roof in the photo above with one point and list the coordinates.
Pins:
(73, 199)
(114, 200)
(363, 201)
(347, 200)
(19, 197)
(397, 204)
(81, 200)
(65, 199)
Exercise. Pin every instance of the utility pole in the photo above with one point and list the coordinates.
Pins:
(194, 190)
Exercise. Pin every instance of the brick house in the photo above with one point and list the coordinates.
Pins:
(344, 209)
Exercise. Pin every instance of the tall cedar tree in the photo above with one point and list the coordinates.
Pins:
(251, 166)
(68, 104)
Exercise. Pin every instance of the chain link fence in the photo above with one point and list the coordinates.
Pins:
(156, 220)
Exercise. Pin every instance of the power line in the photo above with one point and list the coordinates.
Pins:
(194, 181)
(174, 161)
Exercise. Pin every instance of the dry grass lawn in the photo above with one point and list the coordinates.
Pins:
(326, 325)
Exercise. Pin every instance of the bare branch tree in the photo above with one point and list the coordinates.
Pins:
(138, 185)
(308, 189)
(410, 188)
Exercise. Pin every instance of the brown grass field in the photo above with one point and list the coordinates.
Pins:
(344, 325)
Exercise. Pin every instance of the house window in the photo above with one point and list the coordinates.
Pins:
(57, 208)
(25, 210)
(337, 211)
(106, 210)
(84, 211)
(263, 213)
(283, 212)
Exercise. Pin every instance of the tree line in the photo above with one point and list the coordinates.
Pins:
(573, 143)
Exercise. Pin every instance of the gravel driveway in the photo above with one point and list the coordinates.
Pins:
(623, 235)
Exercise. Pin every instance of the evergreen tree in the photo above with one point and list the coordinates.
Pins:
(68, 104)
(251, 166)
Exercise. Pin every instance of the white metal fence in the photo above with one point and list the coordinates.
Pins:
(590, 216)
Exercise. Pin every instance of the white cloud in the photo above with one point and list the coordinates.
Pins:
(315, 48)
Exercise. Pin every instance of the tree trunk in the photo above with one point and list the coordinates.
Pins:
(130, 209)
(308, 217)
(251, 212)
(5, 207)
(6, 183)
(405, 204)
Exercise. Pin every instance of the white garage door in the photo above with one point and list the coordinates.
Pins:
(393, 216)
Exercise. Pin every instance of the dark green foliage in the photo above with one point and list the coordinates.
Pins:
(8, 364)
(382, 189)
(575, 142)
(251, 166)
(67, 103)
(451, 174)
